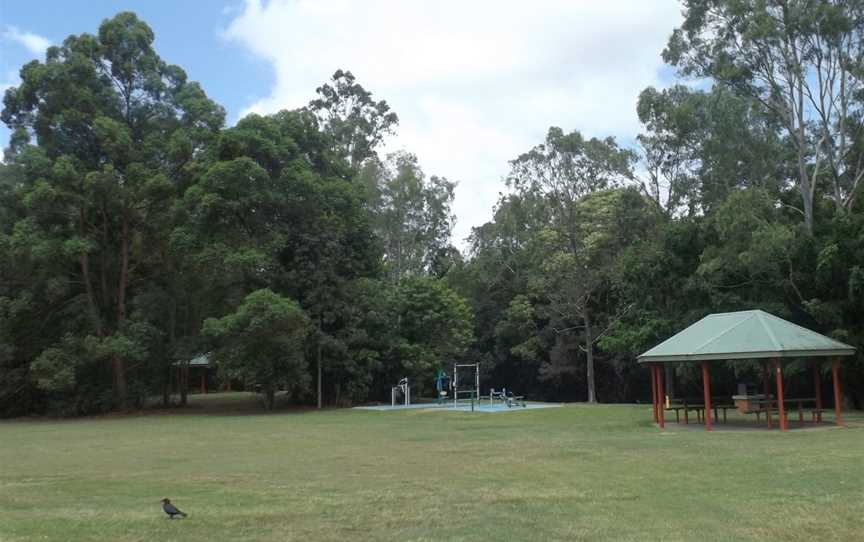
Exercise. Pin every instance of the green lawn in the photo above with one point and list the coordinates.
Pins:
(574, 473)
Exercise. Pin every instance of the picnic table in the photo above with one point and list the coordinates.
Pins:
(759, 406)
(696, 405)
(769, 405)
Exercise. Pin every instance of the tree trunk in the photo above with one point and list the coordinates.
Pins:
(589, 354)
(166, 389)
(805, 182)
(270, 397)
(172, 339)
(806, 195)
(118, 369)
(318, 360)
(88, 284)
(184, 383)
(118, 366)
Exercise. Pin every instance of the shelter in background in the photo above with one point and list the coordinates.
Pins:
(746, 335)
(199, 367)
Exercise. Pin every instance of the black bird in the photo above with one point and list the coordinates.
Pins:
(170, 509)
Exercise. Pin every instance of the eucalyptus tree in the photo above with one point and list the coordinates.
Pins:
(699, 146)
(118, 130)
(356, 122)
(277, 209)
(410, 212)
(802, 60)
(563, 171)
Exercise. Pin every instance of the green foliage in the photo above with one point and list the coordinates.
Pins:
(129, 217)
(262, 343)
(356, 123)
(411, 214)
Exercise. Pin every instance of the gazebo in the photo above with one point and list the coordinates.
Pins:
(745, 335)
(201, 363)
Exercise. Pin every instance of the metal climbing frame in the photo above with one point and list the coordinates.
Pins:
(402, 387)
(472, 393)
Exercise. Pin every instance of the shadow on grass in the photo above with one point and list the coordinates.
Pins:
(210, 404)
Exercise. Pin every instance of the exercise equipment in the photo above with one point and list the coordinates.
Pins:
(507, 398)
(442, 383)
(473, 393)
(403, 388)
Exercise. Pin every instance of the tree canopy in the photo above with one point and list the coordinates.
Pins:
(138, 232)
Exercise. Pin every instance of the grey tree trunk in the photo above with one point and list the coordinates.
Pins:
(319, 372)
(270, 397)
(589, 354)
(184, 383)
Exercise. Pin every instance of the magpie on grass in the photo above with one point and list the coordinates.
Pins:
(170, 509)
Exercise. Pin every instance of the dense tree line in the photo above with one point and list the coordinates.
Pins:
(744, 193)
(137, 231)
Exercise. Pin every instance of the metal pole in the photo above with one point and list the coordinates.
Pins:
(455, 387)
(477, 382)
(407, 393)
(393, 397)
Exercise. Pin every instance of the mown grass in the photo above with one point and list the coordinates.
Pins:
(574, 473)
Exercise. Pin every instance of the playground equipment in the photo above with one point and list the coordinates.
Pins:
(507, 398)
(442, 383)
(403, 388)
(473, 393)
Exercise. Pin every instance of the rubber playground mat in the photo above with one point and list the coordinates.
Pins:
(482, 406)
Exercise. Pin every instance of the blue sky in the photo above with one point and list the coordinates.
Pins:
(188, 33)
(475, 83)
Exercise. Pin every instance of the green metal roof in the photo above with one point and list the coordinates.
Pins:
(744, 335)
(201, 360)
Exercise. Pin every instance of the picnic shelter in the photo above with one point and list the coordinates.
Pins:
(747, 335)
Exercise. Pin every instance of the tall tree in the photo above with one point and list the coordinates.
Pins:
(356, 122)
(802, 59)
(119, 127)
(698, 146)
(411, 214)
(562, 171)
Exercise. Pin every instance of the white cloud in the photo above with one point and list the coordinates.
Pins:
(34, 43)
(474, 83)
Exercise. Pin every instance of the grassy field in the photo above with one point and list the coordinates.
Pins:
(573, 473)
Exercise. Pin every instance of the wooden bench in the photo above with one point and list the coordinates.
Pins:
(699, 408)
(687, 408)
(770, 408)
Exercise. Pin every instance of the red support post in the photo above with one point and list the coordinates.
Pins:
(766, 391)
(654, 393)
(781, 409)
(706, 390)
(817, 380)
(835, 376)
(661, 386)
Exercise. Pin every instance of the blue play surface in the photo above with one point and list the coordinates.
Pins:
(463, 407)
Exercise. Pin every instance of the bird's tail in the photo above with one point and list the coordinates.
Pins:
(183, 514)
